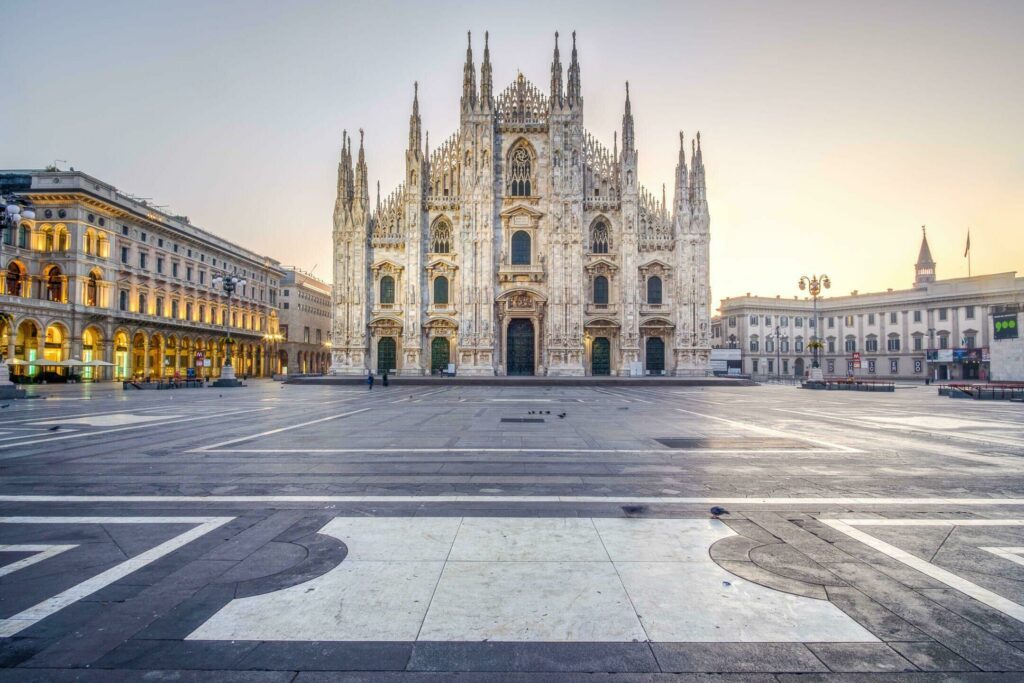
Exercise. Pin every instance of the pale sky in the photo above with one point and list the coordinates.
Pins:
(831, 131)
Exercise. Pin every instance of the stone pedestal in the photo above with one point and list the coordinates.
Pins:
(816, 375)
(8, 389)
(227, 378)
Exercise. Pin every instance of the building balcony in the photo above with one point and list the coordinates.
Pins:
(391, 309)
(531, 272)
(653, 309)
(602, 309)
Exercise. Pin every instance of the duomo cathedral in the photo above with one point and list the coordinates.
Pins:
(521, 245)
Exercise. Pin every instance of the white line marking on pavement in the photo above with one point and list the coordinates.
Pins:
(983, 595)
(34, 614)
(204, 449)
(666, 450)
(42, 552)
(1013, 554)
(447, 498)
(774, 432)
(119, 429)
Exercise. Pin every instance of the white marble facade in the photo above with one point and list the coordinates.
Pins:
(521, 245)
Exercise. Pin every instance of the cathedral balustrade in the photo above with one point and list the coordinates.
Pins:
(532, 272)
(602, 309)
(653, 309)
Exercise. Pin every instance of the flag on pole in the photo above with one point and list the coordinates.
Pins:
(967, 249)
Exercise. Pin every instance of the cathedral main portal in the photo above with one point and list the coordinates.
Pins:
(520, 347)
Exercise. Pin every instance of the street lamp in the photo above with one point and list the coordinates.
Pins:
(779, 336)
(227, 373)
(814, 285)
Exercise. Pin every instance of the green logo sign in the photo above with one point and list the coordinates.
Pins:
(1005, 326)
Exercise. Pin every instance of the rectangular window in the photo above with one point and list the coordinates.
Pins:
(943, 342)
(188, 273)
(813, 323)
(732, 321)
(767, 320)
(849, 367)
(142, 237)
(771, 365)
(871, 366)
(799, 321)
(917, 316)
(851, 345)
(174, 269)
(969, 341)
(943, 314)
(753, 320)
(849, 321)
(893, 344)
(159, 265)
(969, 312)
(831, 321)
(202, 277)
(892, 318)
(871, 318)
(831, 345)
(918, 343)
(285, 304)
(755, 366)
(160, 242)
(318, 338)
(871, 345)
(894, 365)
(785, 366)
(124, 254)
(142, 261)
(124, 230)
(305, 335)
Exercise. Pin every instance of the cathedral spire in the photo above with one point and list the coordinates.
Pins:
(556, 77)
(469, 77)
(362, 191)
(378, 197)
(343, 198)
(627, 126)
(414, 119)
(486, 80)
(573, 86)
(682, 191)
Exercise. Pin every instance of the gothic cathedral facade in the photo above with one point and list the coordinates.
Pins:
(521, 246)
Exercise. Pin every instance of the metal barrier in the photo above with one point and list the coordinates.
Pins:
(999, 391)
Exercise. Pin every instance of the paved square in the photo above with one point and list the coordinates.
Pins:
(511, 532)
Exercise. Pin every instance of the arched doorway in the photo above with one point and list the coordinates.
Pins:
(56, 347)
(122, 357)
(798, 367)
(520, 345)
(387, 352)
(26, 347)
(601, 357)
(654, 356)
(91, 351)
(440, 354)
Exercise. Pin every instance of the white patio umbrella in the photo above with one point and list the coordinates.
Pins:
(99, 364)
(17, 361)
(70, 363)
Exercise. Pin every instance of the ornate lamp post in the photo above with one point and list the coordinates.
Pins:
(12, 213)
(227, 373)
(814, 285)
(779, 336)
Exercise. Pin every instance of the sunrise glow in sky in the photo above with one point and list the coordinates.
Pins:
(831, 131)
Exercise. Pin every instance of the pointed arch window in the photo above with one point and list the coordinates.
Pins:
(387, 290)
(654, 290)
(521, 248)
(520, 164)
(599, 238)
(440, 291)
(441, 237)
(601, 290)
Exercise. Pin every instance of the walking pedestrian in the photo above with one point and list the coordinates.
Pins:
(385, 378)
(369, 380)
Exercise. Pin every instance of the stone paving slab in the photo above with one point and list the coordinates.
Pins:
(536, 500)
